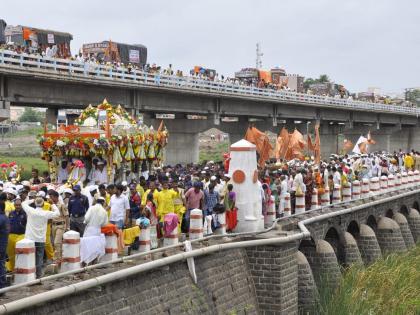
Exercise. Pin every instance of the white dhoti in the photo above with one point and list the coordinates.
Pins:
(92, 244)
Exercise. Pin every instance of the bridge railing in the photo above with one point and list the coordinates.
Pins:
(75, 68)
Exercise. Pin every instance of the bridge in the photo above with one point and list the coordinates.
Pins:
(277, 271)
(28, 80)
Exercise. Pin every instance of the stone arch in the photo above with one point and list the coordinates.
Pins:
(371, 222)
(389, 213)
(404, 210)
(335, 239)
(416, 205)
(354, 229)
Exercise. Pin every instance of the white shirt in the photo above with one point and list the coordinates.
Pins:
(37, 219)
(298, 182)
(118, 206)
(100, 177)
(284, 188)
(337, 178)
(96, 216)
(63, 175)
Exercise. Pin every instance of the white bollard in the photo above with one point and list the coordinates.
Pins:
(404, 180)
(144, 240)
(196, 224)
(111, 248)
(222, 221)
(391, 182)
(398, 181)
(347, 192)
(416, 177)
(314, 199)
(374, 185)
(356, 190)
(71, 251)
(410, 179)
(24, 261)
(384, 184)
(336, 194)
(271, 212)
(287, 206)
(365, 188)
(172, 238)
(325, 197)
(300, 204)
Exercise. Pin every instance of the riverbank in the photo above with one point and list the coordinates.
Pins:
(389, 286)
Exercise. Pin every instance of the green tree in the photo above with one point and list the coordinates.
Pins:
(323, 78)
(32, 115)
(413, 95)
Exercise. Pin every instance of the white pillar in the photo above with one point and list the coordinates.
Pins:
(384, 184)
(347, 192)
(271, 212)
(314, 200)
(24, 261)
(336, 194)
(356, 190)
(111, 248)
(398, 181)
(300, 204)
(404, 180)
(325, 197)
(410, 179)
(287, 205)
(172, 238)
(365, 188)
(416, 177)
(144, 239)
(374, 185)
(196, 224)
(71, 251)
(391, 182)
(222, 220)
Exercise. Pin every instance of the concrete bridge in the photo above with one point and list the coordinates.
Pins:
(27, 80)
(278, 271)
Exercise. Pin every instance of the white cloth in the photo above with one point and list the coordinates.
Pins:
(298, 182)
(37, 219)
(100, 177)
(96, 217)
(119, 206)
(63, 175)
(337, 178)
(91, 247)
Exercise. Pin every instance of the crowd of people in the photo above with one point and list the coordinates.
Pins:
(41, 211)
(92, 61)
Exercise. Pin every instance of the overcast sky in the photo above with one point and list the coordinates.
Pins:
(359, 43)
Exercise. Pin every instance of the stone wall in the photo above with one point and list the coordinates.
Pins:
(225, 286)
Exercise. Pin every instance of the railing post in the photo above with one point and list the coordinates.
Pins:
(55, 65)
(21, 60)
(38, 59)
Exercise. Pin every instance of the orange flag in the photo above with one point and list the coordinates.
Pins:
(262, 143)
(282, 143)
(317, 145)
(311, 146)
(296, 145)
(347, 145)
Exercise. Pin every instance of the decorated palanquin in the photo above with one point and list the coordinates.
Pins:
(107, 133)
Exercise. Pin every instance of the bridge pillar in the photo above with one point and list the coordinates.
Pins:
(181, 148)
(307, 290)
(368, 245)
(51, 116)
(274, 270)
(389, 236)
(405, 229)
(351, 251)
(413, 219)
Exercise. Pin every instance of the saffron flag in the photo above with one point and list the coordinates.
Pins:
(262, 143)
(317, 145)
(282, 143)
(360, 146)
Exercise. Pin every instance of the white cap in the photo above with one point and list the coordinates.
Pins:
(41, 194)
(213, 178)
(124, 183)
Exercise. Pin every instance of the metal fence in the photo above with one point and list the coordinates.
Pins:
(77, 69)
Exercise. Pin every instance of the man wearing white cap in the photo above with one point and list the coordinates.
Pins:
(36, 228)
(100, 175)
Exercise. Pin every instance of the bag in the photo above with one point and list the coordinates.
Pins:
(231, 219)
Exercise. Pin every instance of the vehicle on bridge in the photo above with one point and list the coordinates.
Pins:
(109, 51)
(209, 73)
(33, 40)
(252, 76)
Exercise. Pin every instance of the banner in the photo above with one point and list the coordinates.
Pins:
(134, 56)
(50, 38)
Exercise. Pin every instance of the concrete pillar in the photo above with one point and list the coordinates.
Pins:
(413, 219)
(351, 251)
(222, 220)
(71, 251)
(287, 206)
(314, 200)
(271, 213)
(324, 265)
(274, 270)
(51, 116)
(391, 182)
(405, 229)
(374, 185)
(307, 290)
(196, 224)
(384, 184)
(365, 188)
(336, 194)
(300, 203)
(181, 148)
(347, 192)
(111, 248)
(389, 236)
(25, 261)
(325, 197)
(356, 190)
(368, 245)
(398, 181)
(144, 239)
(172, 238)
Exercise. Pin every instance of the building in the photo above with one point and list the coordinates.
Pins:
(294, 82)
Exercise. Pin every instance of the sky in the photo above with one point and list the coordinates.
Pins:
(357, 43)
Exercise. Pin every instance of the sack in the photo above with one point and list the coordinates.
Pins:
(231, 219)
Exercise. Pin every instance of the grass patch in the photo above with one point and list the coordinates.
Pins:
(389, 286)
(27, 162)
(213, 152)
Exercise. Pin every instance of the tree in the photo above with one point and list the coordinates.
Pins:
(32, 115)
(323, 78)
(413, 95)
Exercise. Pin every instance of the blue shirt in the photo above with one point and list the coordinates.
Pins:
(210, 200)
(78, 205)
(17, 222)
(4, 228)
